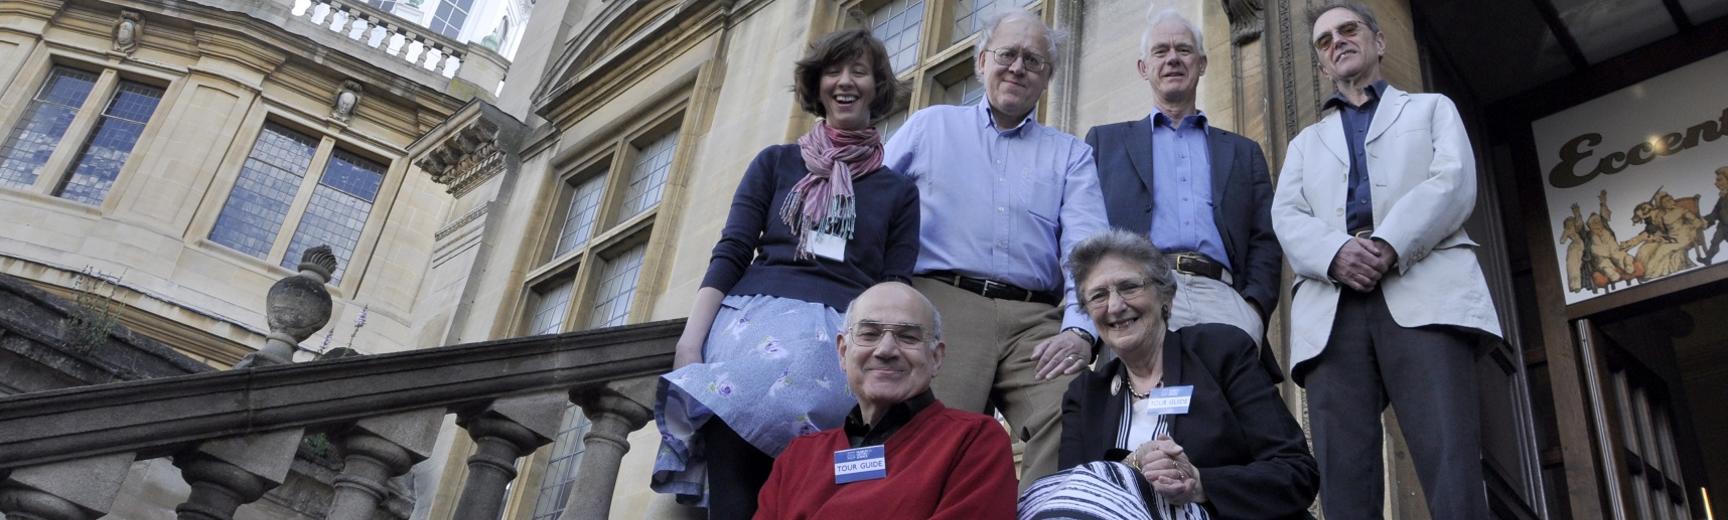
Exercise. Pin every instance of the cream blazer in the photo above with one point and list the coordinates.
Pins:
(1423, 177)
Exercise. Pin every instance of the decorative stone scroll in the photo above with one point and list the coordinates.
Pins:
(1247, 20)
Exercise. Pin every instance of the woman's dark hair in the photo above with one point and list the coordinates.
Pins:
(838, 47)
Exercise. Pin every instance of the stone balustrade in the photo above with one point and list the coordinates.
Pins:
(64, 453)
(385, 34)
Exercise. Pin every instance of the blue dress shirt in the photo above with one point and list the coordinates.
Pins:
(1359, 207)
(1004, 204)
(1182, 216)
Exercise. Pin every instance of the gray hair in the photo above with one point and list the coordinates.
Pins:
(935, 315)
(1056, 37)
(1166, 15)
(1361, 10)
(1129, 247)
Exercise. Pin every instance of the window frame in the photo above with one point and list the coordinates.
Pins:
(612, 232)
(59, 166)
(328, 139)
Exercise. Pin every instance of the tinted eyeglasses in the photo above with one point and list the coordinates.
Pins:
(1006, 57)
(1344, 30)
(870, 334)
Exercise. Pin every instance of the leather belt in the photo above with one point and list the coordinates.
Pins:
(1196, 264)
(992, 289)
(1366, 232)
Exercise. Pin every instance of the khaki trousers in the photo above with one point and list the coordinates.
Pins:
(1203, 300)
(989, 364)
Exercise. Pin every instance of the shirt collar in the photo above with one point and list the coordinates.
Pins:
(1196, 119)
(1374, 91)
(862, 434)
(989, 120)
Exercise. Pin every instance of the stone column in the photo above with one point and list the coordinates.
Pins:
(73, 490)
(373, 451)
(503, 432)
(615, 409)
(228, 473)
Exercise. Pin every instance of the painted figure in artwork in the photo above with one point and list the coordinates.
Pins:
(1718, 217)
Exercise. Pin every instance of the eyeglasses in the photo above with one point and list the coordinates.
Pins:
(869, 334)
(1344, 30)
(1099, 298)
(1007, 56)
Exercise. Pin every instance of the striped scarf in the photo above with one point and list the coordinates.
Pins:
(823, 200)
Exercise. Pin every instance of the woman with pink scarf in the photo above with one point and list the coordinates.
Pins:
(812, 225)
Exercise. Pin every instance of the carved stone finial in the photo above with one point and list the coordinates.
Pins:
(296, 307)
(347, 99)
(1247, 20)
(318, 261)
(127, 31)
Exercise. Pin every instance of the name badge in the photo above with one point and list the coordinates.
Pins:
(867, 463)
(826, 245)
(1170, 400)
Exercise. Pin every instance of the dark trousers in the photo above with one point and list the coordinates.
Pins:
(736, 472)
(1428, 375)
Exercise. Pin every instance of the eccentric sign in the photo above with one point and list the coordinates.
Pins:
(1636, 180)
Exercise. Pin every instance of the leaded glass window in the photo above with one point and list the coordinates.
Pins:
(888, 125)
(264, 191)
(648, 175)
(338, 211)
(450, 17)
(617, 287)
(579, 220)
(551, 303)
(560, 478)
(106, 150)
(966, 92)
(970, 15)
(898, 24)
(44, 122)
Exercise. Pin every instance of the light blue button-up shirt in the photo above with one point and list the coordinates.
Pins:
(1005, 204)
(1182, 217)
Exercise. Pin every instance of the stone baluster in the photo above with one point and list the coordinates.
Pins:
(81, 489)
(503, 432)
(373, 451)
(615, 409)
(228, 473)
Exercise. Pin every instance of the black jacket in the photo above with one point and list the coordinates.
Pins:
(1252, 456)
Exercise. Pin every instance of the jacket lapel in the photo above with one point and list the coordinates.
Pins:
(1332, 135)
(1391, 104)
(1173, 373)
(1140, 150)
(1218, 153)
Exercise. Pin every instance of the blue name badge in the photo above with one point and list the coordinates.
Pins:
(1170, 400)
(867, 463)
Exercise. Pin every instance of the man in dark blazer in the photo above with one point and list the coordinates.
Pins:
(1201, 194)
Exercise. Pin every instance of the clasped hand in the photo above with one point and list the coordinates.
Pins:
(1165, 466)
(1362, 262)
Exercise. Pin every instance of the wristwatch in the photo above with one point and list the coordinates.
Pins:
(1090, 339)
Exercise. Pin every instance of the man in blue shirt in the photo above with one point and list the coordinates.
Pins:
(1004, 199)
(1390, 300)
(1201, 194)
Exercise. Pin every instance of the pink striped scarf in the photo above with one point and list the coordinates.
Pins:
(823, 200)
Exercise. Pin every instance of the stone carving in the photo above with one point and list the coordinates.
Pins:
(1247, 20)
(466, 158)
(296, 307)
(127, 31)
(346, 100)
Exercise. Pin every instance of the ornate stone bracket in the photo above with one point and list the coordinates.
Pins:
(1247, 20)
(128, 31)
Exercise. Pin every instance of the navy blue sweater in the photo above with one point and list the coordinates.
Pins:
(756, 253)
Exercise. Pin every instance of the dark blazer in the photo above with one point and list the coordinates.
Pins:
(1252, 456)
(1241, 199)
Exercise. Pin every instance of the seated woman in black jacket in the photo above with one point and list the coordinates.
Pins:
(1183, 424)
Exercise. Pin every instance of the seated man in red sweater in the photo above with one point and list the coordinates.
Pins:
(901, 454)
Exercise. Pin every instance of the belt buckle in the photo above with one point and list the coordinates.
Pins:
(988, 283)
(1184, 257)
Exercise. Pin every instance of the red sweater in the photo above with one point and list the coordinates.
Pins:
(943, 464)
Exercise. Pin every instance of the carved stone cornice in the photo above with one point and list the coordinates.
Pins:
(472, 146)
(1247, 20)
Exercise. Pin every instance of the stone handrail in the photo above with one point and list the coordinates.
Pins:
(233, 432)
(385, 34)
